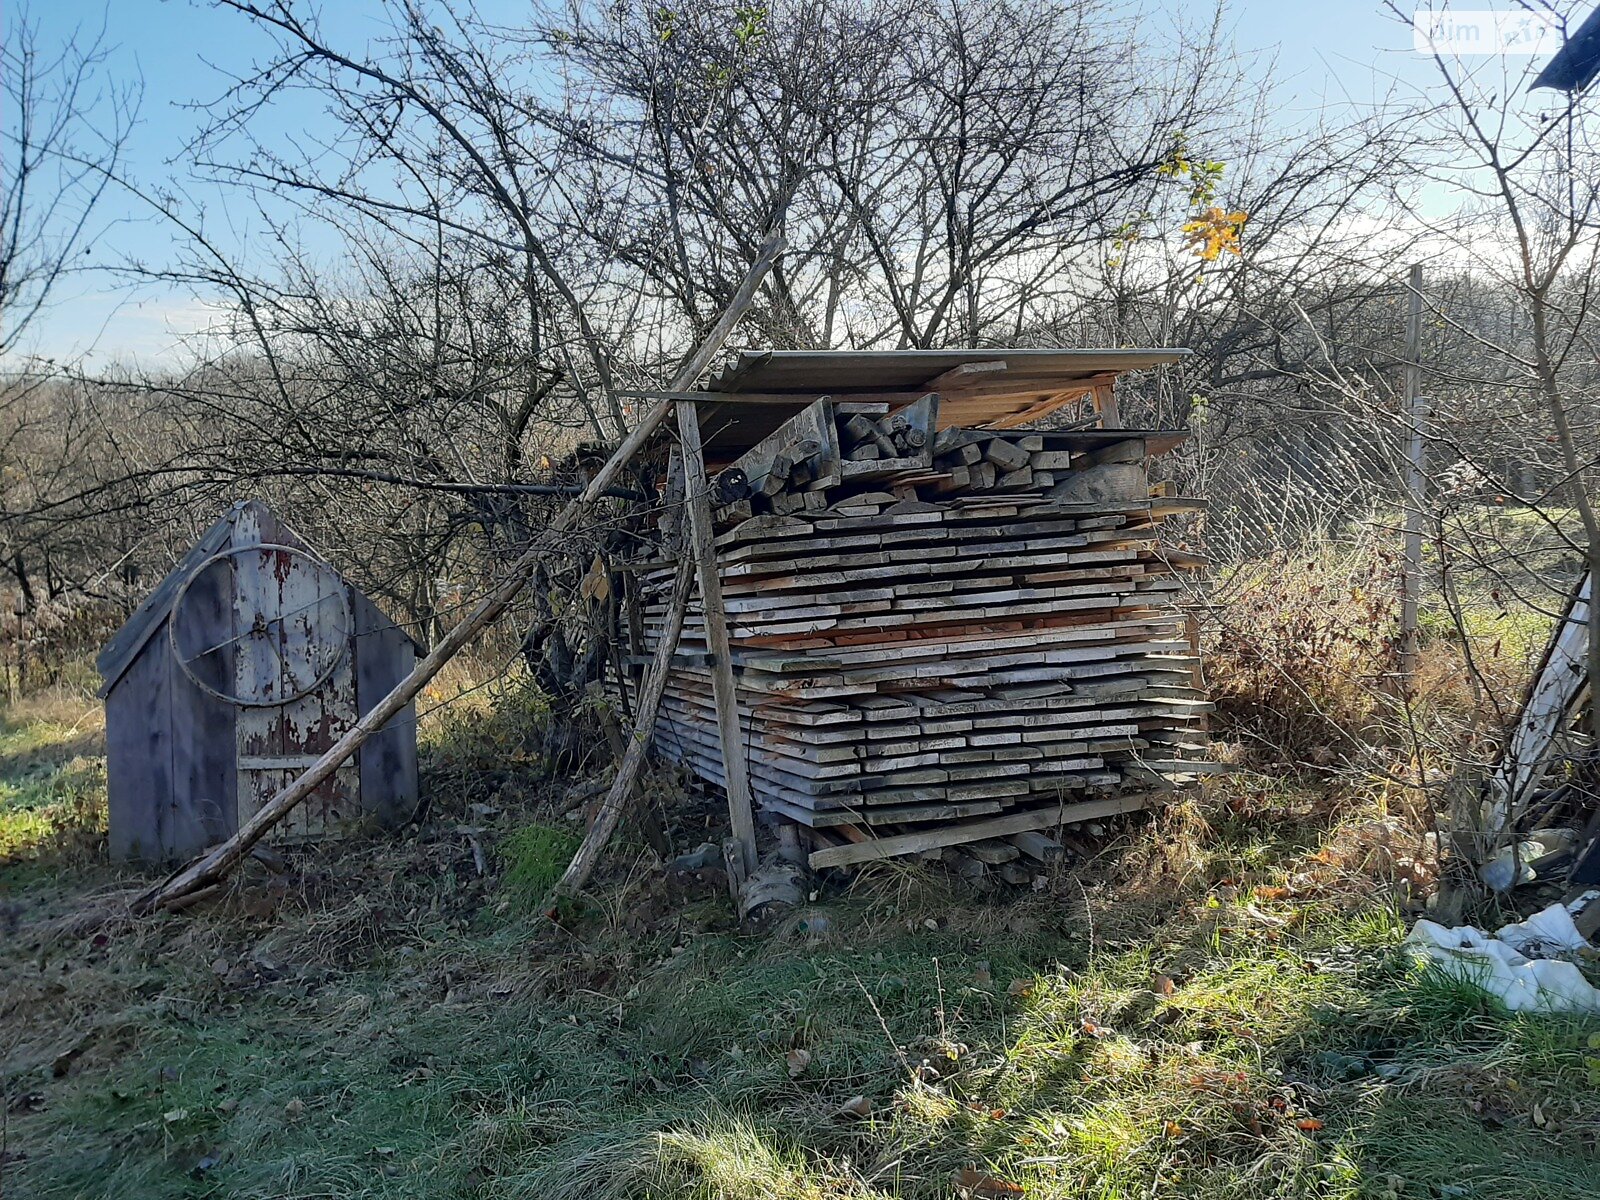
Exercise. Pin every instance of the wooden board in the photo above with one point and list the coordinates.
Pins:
(290, 617)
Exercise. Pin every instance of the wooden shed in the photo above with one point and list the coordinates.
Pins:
(251, 658)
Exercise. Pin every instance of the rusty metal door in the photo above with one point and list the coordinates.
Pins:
(293, 669)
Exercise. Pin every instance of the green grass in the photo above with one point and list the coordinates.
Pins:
(1217, 1008)
(52, 775)
(535, 857)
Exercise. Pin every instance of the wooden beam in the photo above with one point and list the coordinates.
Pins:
(1105, 403)
(964, 375)
(958, 834)
(702, 546)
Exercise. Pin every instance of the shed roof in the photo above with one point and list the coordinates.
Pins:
(124, 646)
(1000, 387)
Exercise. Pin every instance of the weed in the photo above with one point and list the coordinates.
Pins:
(52, 778)
(535, 856)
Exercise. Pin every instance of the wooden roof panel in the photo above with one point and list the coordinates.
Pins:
(760, 389)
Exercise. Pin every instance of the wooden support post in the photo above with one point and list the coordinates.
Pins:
(1105, 405)
(212, 866)
(723, 688)
(1416, 418)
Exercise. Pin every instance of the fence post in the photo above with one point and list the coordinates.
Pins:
(1416, 416)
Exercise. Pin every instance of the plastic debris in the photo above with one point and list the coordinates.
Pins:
(1515, 964)
(1525, 862)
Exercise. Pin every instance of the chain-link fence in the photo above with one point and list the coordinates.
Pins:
(1278, 478)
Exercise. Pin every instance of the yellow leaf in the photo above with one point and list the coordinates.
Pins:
(1214, 231)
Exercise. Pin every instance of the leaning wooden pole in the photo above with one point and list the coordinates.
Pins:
(724, 692)
(212, 866)
(650, 692)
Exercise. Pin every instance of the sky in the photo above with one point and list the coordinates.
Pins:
(1327, 52)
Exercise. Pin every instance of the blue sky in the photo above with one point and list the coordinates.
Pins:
(1327, 52)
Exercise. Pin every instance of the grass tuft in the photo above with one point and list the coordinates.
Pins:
(535, 856)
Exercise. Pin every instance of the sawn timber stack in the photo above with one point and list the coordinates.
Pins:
(940, 635)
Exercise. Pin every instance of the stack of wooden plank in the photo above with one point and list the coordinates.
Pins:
(941, 637)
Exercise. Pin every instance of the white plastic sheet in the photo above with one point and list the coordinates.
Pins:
(1516, 964)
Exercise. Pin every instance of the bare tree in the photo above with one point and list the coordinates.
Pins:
(948, 170)
(1530, 165)
(64, 128)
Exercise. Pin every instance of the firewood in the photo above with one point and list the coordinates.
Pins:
(1004, 455)
(857, 430)
(777, 476)
(962, 456)
(1051, 460)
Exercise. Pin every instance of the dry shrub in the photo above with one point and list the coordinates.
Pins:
(1303, 665)
(1301, 644)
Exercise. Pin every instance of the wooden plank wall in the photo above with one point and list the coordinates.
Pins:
(384, 655)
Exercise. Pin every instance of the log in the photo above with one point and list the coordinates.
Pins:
(620, 794)
(211, 867)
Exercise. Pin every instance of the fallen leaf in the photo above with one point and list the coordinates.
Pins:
(974, 1183)
(173, 1115)
(1265, 918)
(1272, 893)
(798, 1061)
(1539, 1119)
(856, 1106)
(1308, 1125)
(228, 1105)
